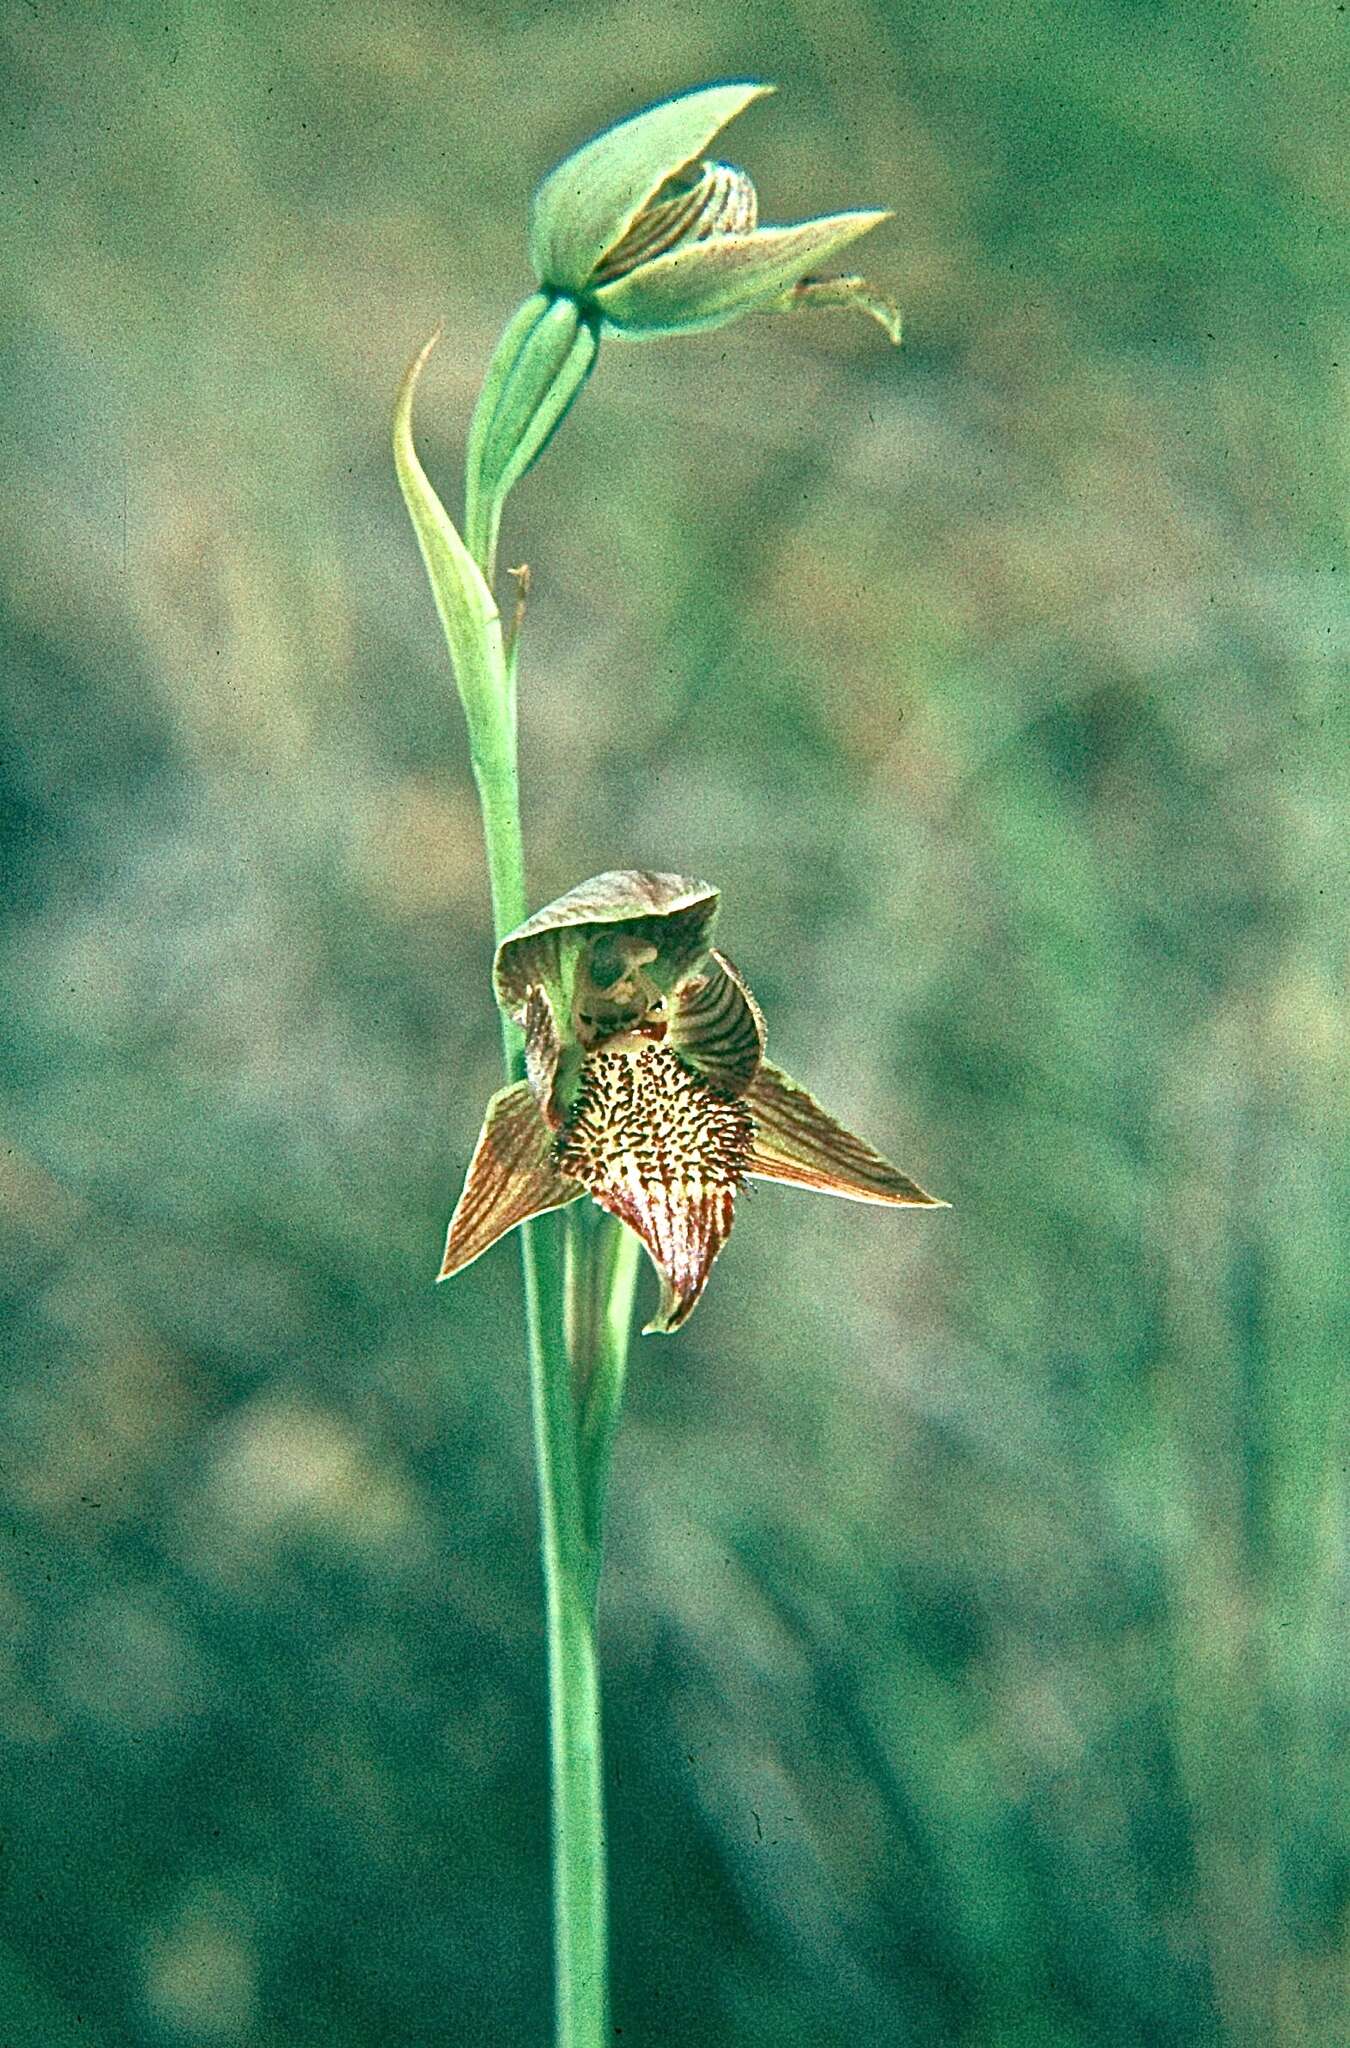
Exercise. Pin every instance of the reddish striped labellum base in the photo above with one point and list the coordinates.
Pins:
(656, 1147)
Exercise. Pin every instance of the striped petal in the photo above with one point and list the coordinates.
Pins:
(545, 1060)
(716, 1026)
(512, 1176)
(659, 1149)
(796, 1142)
(717, 200)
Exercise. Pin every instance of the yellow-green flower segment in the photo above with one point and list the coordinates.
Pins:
(637, 233)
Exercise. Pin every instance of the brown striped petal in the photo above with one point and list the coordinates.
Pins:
(663, 1152)
(796, 1142)
(715, 199)
(716, 1026)
(512, 1176)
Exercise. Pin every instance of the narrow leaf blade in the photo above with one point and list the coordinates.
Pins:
(467, 609)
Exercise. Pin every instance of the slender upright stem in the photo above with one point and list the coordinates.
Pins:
(601, 1275)
(570, 1561)
(572, 1438)
(571, 1569)
(580, 1909)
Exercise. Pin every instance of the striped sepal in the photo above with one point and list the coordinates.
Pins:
(512, 1176)
(716, 1027)
(795, 1141)
(664, 1154)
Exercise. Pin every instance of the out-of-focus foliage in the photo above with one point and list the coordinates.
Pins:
(972, 1626)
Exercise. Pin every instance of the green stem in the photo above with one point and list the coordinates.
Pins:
(568, 1505)
(570, 1566)
(570, 1563)
(580, 1914)
(601, 1277)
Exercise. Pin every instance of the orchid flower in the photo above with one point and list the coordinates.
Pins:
(646, 1088)
(639, 233)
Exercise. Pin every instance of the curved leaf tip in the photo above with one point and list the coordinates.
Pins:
(467, 608)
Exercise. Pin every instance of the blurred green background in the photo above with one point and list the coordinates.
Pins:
(973, 1624)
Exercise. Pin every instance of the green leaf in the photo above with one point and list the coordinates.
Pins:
(707, 283)
(592, 198)
(468, 611)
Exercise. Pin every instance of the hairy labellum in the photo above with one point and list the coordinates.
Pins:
(661, 1151)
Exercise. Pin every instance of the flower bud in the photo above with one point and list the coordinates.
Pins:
(638, 232)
